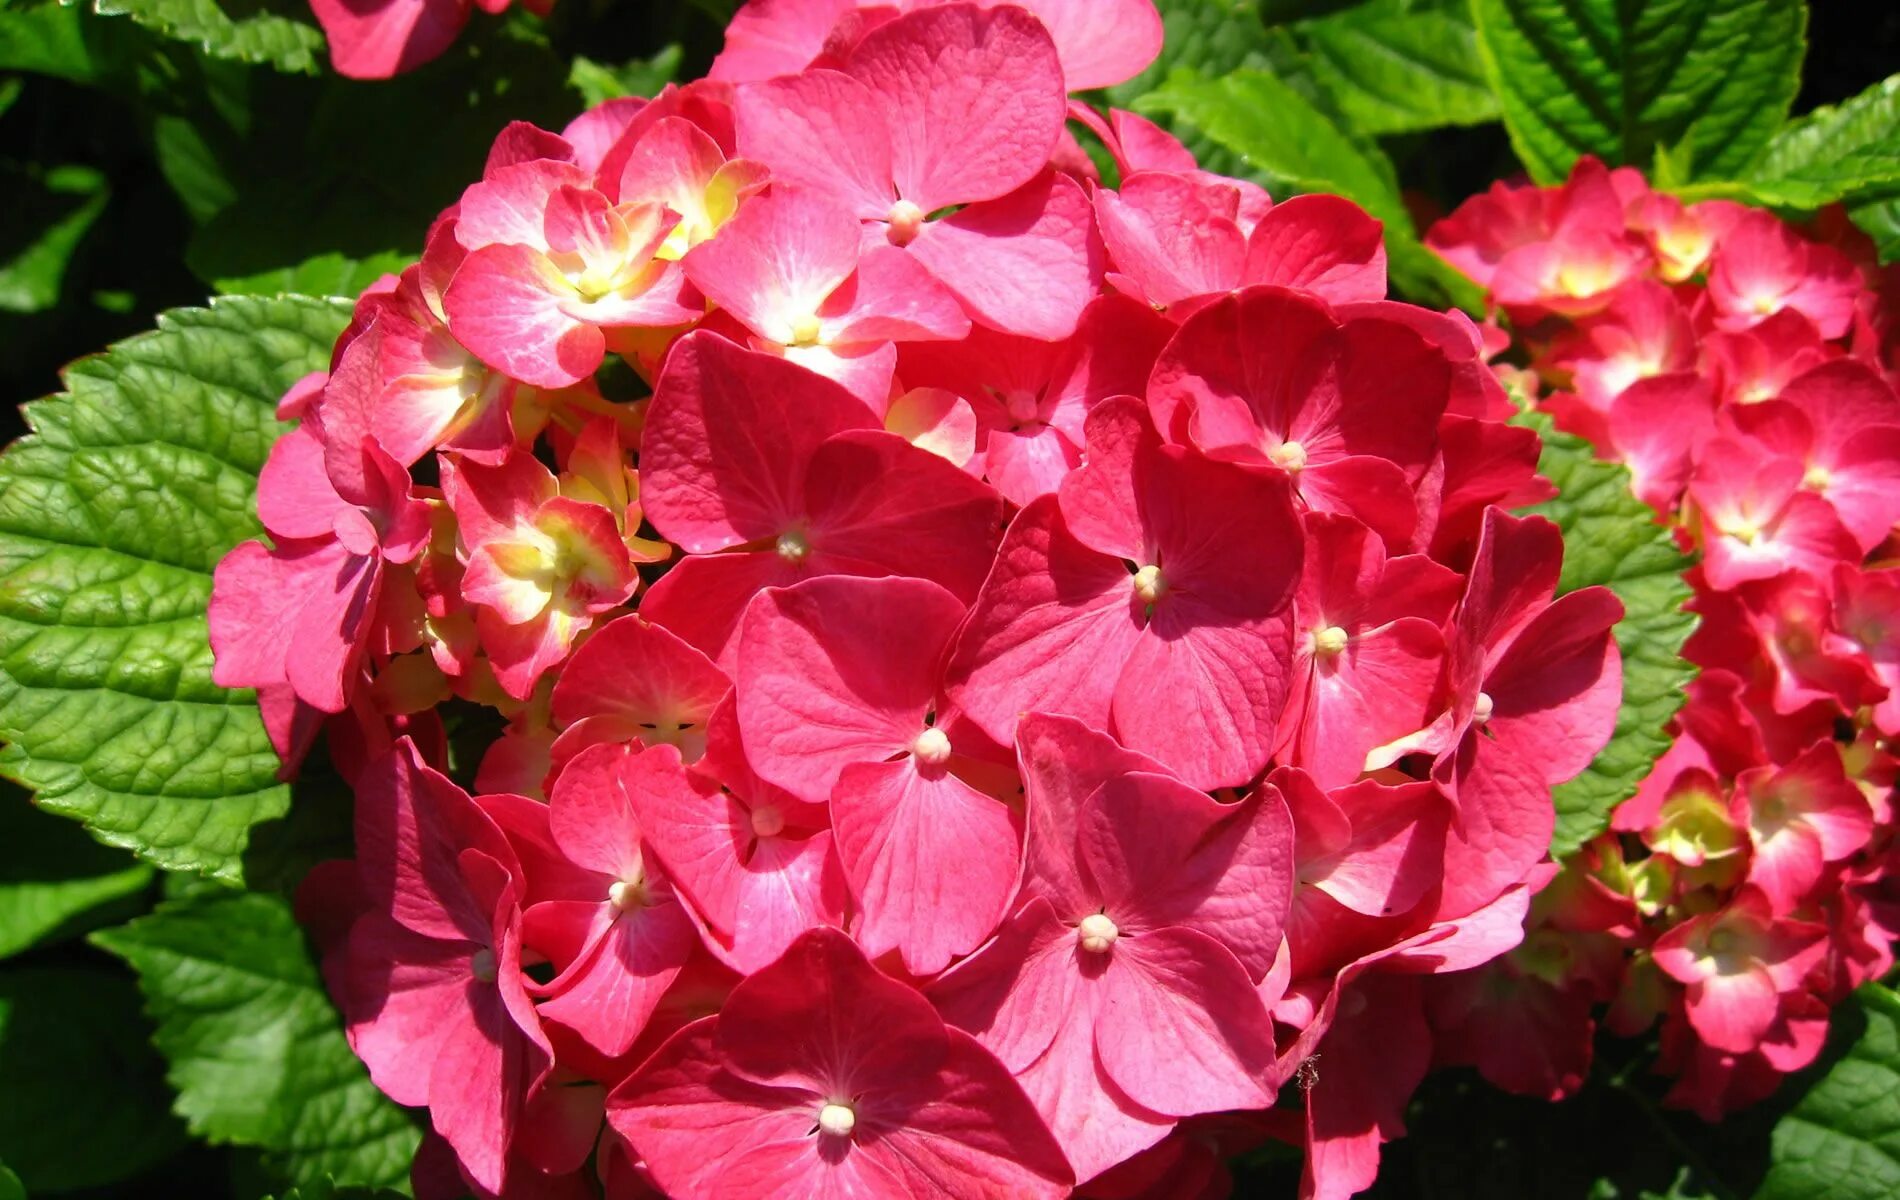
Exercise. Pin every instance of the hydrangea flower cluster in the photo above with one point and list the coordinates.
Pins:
(1047, 665)
(1744, 370)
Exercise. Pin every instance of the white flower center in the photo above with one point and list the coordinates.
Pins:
(767, 821)
(792, 546)
(1097, 933)
(627, 893)
(1149, 586)
(1289, 456)
(1481, 708)
(932, 746)
(838, 1120)
(1329, 641)
(805, 330)
(906, 220)
(482, 966)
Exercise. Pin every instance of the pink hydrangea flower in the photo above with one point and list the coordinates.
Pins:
(819, 1076)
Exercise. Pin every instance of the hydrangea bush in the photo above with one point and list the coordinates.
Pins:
(1743, 370)
(956, 598)
(1045, 663)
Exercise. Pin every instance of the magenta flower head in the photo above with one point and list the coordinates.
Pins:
(978, 664)
(1734, 362)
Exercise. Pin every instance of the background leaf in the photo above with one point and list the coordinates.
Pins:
(281, 33)
(1835, 151)
(1611, 538)
(1395, 72)
(1842, 1140)
(598, 83)
(84, 1101)
(1619, 79)
(253, 1045)
(112, 516)
(55, 881)
(54, 209)
(1207, 38)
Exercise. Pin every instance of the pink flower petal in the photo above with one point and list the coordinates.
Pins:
(729, 440)
(974, 99)
(931, 860)
(1179, 1029)
(989, 253)
(836, 671)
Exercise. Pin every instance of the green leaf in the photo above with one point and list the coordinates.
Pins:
(1617, 79)
(328, 274)
(598, 83)
(1834, 152)
(112, 515)
(1842, 1140)
(55, 881)
(327, 1191)
(1396, 72)
(10, 1187)
(1879, 219)
(52, 211)
(84, 1097)
(326, 190)
(254, 1047)
(1611, 538)
(1208, 37)
(276, 32)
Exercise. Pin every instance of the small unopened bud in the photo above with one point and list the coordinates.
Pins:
(1481, 708)
(1329, 641)
(805, 330)
(767, 821)
(482, 966)
(931, 747)
(906, 220)
(1097, 933)
(1288, 456)
(1149, 586)
(838, 1120)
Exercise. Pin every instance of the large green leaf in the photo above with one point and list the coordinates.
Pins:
(1276, 130)
(1395, 72)
(1619, 79)
(278, 32)
(1207, 37)
(1842, 1140)
(82, 1097)
(55, 881)
(1833, 152)
(254, 1048)
(112, 515)
(1611, 538)
(331, 273)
